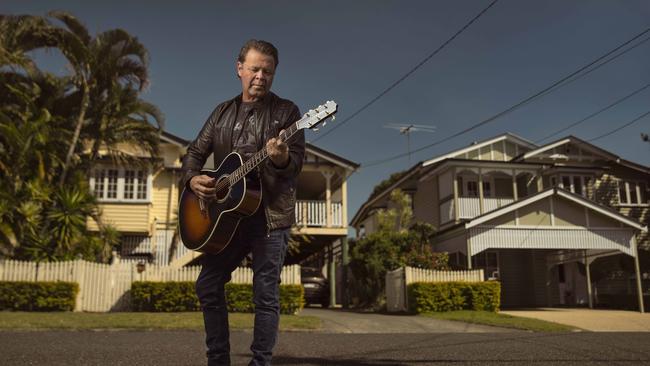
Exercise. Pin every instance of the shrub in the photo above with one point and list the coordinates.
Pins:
(164, 296)
(38, 296)
(292, 298)
(181, 296)
(448, 296)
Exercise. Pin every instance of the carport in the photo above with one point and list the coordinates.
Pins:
(539, 232)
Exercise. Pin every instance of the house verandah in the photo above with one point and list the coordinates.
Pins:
(541, 247)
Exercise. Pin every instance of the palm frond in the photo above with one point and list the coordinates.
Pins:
(73, 24)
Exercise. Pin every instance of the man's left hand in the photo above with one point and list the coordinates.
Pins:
(278, 152)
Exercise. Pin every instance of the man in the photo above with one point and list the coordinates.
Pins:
(247, 123)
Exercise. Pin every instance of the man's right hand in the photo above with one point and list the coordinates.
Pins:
(203, 187)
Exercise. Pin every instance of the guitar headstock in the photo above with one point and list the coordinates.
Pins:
(315, 117)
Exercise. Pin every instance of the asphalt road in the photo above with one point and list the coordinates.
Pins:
(302, 348)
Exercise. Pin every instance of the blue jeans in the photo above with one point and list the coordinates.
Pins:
(268, 257)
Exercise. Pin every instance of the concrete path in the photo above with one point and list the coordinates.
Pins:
(590, 319)
(343, 321)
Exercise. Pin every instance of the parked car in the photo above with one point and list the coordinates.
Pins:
(317, 287)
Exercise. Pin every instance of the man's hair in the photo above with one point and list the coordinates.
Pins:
(261, 46)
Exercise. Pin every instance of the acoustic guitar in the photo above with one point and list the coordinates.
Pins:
(208, 226)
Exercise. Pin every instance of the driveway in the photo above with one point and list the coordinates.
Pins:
(590, 319)
(345, 321)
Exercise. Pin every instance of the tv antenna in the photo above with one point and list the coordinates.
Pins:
(407, 129)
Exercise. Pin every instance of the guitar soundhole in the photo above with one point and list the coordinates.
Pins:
(223, 193)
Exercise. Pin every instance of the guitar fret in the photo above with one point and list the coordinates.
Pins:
(310, 119)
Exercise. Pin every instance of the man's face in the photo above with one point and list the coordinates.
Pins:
(256, 74)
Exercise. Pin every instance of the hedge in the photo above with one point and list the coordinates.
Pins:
(447, 296)
(181, 296)
(38, 296)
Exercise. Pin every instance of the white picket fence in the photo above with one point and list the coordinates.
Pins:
(106, 287)
(426, 275)
(397, 280)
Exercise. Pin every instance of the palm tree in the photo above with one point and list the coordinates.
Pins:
(100, 64)
(124, 119)
(44, 118)
(20, 34)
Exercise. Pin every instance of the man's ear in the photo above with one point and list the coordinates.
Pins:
(240, 68)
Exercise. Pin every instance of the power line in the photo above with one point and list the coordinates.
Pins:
(596, 113)
(515, 106)
(620, 127)
(371, 102)
(580, 76)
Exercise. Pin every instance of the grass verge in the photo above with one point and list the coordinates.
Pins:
(502, 320)
(10, 320)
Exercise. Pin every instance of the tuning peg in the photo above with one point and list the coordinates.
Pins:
(315, 129)
(324, 123)
(333, 118)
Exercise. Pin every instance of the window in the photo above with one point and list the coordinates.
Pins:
(575, 183)
(118, 184)
(632, 193)
(472, 188)
(129, 184)
(142, 185)
(622, 192)
(634, 198)
(99, 183)
(111, 188)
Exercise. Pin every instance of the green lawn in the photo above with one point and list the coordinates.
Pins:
(190, 320)
(502, 320)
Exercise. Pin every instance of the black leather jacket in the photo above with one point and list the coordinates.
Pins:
(278, 184)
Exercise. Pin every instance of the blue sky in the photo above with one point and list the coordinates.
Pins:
(350, 51)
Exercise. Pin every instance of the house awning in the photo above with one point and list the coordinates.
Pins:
(552, 219)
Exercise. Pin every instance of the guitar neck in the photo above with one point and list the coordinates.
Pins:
(260, 156)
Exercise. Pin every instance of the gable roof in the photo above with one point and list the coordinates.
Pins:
(604, 210)
(331, 157)
(568, 140)
(173, 139)
(587, 146)
(361, 212)
(478, 144)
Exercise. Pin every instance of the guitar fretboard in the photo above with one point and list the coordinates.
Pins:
(260, 156)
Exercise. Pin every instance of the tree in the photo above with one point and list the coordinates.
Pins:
(398, 242)
(102, 67)
(38, 219)
(123, 119)
(400, 216)
(384, 184)
(20, 34)
(43, 119)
